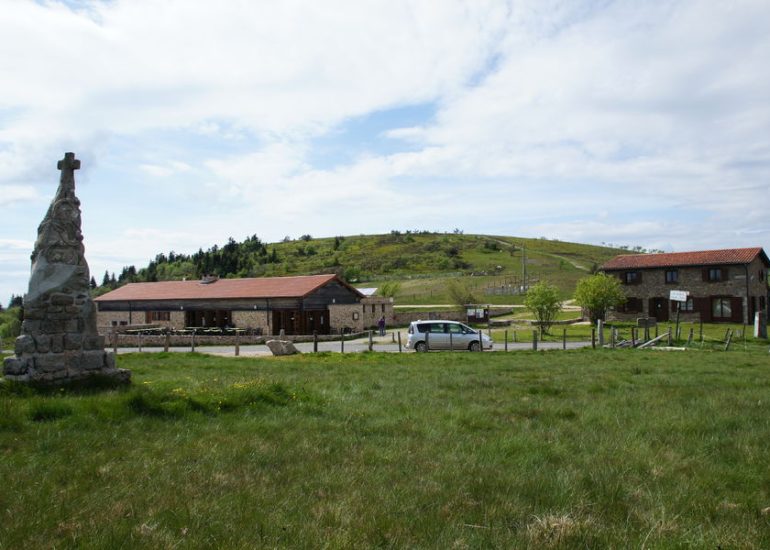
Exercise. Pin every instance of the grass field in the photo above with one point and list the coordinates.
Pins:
(558, 449)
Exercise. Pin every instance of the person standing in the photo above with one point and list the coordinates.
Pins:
(381, 325)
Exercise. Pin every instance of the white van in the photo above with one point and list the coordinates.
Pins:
(444, 335)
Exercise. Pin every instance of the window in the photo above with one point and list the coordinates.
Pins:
(355, 316)
(632, 277)
(372, 308)
(720, 308)
(689, 305)
(761, 275)
(715, 274)
(632, 305)
(383, 307)
(158, 316)
(455, 329)
(672, 276)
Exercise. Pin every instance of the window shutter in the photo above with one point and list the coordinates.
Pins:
(703, 306)
(736, 305)
(724, 274)
(638, 277)
(705, 273)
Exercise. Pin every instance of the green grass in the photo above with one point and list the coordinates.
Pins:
(560, 449)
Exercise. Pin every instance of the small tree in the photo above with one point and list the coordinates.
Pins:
(543, 301)
(389, 289)
(597, 293)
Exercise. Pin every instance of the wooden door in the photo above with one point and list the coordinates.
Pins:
(658, 309)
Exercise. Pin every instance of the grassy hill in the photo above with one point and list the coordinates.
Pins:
(421, 262)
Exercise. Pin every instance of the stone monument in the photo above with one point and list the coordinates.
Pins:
(59, 342)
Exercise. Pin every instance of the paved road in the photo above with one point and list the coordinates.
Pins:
(352, 346)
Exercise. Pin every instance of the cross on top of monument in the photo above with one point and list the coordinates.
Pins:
(68, 163)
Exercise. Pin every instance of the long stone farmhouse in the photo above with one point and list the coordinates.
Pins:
(298, 305)
(724, 285)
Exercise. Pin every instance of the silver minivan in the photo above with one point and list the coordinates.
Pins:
(444, 335)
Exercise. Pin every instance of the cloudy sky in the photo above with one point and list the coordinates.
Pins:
(639, 123)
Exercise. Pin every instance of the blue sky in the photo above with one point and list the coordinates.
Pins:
(639, 123)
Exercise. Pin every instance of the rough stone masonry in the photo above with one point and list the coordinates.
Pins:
(59, 342)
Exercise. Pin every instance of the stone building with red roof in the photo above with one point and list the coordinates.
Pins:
(296, 305)
(727, 285)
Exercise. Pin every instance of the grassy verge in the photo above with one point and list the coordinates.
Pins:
(567, 449)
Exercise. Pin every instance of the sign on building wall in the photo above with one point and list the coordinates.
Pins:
(678, 295)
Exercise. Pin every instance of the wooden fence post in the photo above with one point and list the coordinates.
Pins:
(633, 337)
(399, 341)
(237, 344)
(600, 330)
(342, 341)
(315, 341)
(534, 340)
(593, 338)
(613, 337)
(139, 339)
(564, 338)
(728, 339)
(371, 343)
(166, 341)
(690, 337)
(115, 341)
(427, 341)
(506, 339)
(451, 343)
(192, 341)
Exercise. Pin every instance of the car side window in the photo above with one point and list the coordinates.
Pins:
(455, 329)
(423, 327)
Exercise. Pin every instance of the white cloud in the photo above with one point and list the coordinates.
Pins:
(600, 121)
(17, 193)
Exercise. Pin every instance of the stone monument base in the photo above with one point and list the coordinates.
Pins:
(63, 368)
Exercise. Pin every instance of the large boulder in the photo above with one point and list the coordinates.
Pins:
(282, 347)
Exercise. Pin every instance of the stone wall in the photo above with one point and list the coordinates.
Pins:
(375, 307)
(252, 320)
(346, 316)
(105, 320)
(406, 317)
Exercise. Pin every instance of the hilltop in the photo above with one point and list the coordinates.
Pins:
(421, 262)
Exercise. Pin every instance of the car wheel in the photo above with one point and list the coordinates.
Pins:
(420, 347)
(474, 346)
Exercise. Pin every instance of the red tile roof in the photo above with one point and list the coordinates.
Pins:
(265, 287)
(682, 259)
